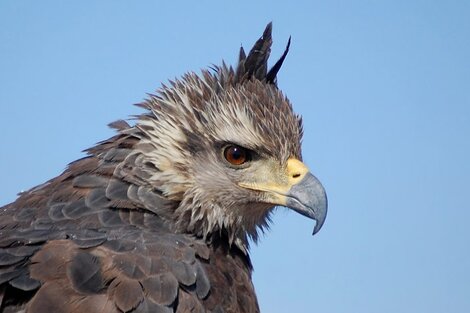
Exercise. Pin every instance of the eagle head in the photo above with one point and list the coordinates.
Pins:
(224, 147)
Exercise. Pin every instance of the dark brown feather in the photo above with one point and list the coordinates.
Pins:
(255, 65)
(154, 278)
(272, 74)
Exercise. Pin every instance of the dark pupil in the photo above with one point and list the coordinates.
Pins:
(237, 153)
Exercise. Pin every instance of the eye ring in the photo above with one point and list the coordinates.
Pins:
(236, 155)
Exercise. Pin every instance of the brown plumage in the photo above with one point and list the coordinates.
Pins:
(158, 217)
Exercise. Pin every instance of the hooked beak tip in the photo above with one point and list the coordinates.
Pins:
(308, 198)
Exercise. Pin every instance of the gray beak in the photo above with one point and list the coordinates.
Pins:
(308, 197)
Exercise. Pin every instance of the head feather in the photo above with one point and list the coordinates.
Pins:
(181, 134)
(255, 65)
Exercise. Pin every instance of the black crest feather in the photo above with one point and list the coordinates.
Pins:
(256, 63)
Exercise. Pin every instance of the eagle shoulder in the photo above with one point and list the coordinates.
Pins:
(78, 253)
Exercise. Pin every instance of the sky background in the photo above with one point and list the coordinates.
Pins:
(384, 90)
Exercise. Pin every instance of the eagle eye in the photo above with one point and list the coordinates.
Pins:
(236, 155)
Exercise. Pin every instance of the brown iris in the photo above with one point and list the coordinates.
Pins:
(236, 155)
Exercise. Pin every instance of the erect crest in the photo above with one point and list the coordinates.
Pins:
(256, 63)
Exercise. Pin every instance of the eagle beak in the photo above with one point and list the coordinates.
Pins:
(308, 197)
(299, 190)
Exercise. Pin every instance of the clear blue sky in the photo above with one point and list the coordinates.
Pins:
(384, 88)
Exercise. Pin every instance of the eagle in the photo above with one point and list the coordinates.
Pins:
(159, 217)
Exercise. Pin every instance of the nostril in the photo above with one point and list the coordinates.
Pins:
(296, 175)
